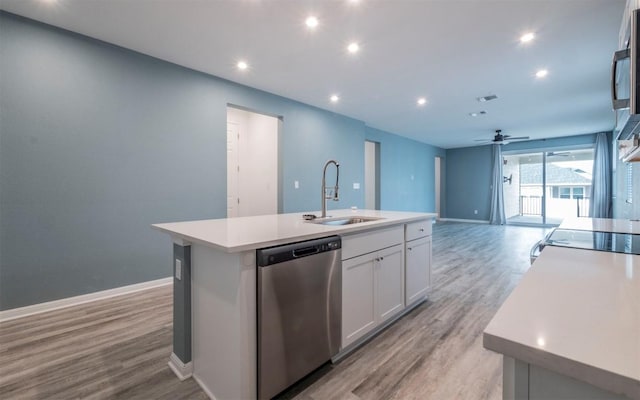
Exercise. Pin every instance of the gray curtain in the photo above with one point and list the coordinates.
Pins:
(497, 216)
(600, 203)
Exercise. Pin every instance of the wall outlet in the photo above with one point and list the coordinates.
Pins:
(356, 185)
(296, 184)
(178, 269)
(475, 211)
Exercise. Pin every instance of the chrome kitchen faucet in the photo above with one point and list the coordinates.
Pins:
(326, 197)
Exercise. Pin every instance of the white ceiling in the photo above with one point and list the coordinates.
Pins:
(450, 51)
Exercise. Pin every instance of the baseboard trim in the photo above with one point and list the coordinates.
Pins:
(183, 371)
(14, 313)
(473, 221)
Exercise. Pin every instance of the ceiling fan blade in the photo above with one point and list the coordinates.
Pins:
(482, 140)
(519, 138)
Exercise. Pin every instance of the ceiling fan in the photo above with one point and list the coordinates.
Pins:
(499, 138)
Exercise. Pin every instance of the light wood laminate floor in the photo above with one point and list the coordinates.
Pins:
(118, 348)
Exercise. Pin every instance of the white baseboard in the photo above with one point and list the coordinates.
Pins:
(14, 313)
(473, 221)
(182, 370)
(204, 387)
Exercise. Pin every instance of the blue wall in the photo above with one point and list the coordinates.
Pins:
(99, 142)
(468, 174)
(406, 172)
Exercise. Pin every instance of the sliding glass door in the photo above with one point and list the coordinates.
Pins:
(523, 188)
(544, 187)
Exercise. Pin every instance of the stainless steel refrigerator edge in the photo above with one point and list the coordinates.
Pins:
(299, 311)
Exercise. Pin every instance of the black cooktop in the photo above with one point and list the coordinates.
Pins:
(601, 241)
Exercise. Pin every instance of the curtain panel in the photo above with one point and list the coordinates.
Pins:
(497, 216)
(601, 192)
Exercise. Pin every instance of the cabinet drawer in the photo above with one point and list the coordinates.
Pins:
(367, 242)
(418, 229)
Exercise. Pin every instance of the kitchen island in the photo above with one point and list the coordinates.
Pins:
(215, 286)
(571, 328)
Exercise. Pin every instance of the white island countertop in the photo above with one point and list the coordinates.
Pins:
(601, 225)
(234, 235)
(577, 313)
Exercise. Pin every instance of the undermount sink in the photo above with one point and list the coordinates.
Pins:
(344, 220)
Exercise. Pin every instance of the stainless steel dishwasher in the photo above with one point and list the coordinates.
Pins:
(299, 310)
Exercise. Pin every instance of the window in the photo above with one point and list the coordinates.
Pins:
(568, 192)
(578, 193)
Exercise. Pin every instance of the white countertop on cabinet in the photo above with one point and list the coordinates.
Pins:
(576, 312)
(247, 233)
(601, 225)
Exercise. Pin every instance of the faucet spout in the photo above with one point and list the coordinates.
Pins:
(335, 196)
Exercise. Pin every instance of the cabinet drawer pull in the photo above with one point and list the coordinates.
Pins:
(378, 259)
(381, 258)
(421, 229)
(409, 248)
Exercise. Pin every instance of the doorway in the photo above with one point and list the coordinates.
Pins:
(371, 175)
(252, 163)
(545, 187)
(437, 184)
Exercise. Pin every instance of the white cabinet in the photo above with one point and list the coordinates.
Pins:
(389, 283)
(418, 269)
(418, 260)
(373, 282)
(372, 291)
(383, 271)
(358, 298)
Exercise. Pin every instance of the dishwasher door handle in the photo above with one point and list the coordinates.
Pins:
(305, 251)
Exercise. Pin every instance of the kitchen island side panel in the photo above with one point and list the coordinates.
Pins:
(224, 322)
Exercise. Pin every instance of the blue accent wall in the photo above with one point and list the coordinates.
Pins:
(407, 172)
(468, 174)
(98, 142)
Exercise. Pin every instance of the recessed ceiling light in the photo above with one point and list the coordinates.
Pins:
(334, 98)
(527, 37)
(311, 22)
(542, 73)
(422, 101)
(242, 65)
(353, 47)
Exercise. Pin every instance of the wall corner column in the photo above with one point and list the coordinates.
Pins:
(180, 361)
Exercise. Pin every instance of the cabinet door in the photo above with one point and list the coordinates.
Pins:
(389, 282)
(358, 302)
(418, 272)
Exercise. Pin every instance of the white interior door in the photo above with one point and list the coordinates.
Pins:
(233, 165)
(253, 183)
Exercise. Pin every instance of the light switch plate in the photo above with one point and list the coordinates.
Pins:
(178, 269)
(296, 184)
(356, 185)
